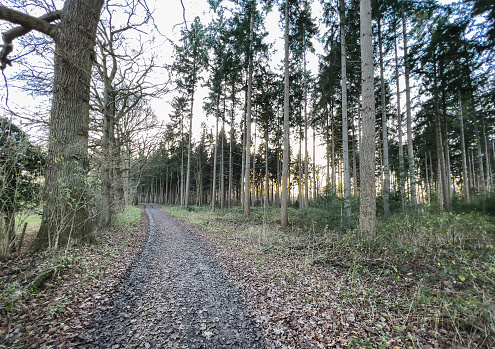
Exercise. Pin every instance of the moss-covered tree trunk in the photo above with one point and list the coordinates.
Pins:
(66, 217)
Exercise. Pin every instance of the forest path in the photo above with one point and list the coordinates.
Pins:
(175, 297)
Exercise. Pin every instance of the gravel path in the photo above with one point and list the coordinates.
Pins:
(175, 297)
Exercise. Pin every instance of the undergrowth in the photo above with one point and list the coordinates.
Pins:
(427, 269)
(35, 290)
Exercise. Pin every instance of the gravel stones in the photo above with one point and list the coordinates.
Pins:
(175, 297)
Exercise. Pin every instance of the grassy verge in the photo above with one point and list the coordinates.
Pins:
(428, 276)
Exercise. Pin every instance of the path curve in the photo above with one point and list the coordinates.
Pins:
(175, 297)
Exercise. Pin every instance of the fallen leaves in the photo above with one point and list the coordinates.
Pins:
(59, 310)
(304, 305)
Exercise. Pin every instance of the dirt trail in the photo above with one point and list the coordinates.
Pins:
(175, 297)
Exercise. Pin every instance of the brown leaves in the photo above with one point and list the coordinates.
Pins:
(304, 305)
(59, 311)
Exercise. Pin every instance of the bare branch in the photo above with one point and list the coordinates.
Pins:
(28, 23)
(184, 14)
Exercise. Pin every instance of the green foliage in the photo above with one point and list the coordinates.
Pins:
(326, 211)
(20, 169)
(476, 204)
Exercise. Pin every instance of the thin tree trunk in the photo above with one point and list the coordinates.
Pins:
(267, 187)
(367, 214)
(214, 186)
(334, 179)
(487, 156)
(222, 174)
(231, 163)
(465, 180)
(345, 130)
(284, 218)
(247, 183)
(299, 174)
(410, 151)
(440, 151)
(306, 156)
(399, 126)
(428, 193)
(315, 188)
(189, 144)
(386, 169)
(354, 160)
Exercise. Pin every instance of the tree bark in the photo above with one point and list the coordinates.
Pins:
(189, 145)
(284, 217)
(399, 126)
(215, 154)
(367, 214)
(410, 150)
(306, 172)
(66, 196)
(465, 180)
(440, 151)
(345, 129)
(386, 169)
(222, 174)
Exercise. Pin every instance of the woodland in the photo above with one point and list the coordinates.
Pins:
(393, 233)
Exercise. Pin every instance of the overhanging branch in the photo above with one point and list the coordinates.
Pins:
(27, 23)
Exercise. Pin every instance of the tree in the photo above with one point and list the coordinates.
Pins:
(367, 212)
(386, 169)
(345, 128)
(119, 87)
(66, 216)
(410, 149)
(284, 219)
(190, 61)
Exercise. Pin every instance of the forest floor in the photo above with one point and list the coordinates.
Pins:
(218, 277)
(57, 312)
(303, 295)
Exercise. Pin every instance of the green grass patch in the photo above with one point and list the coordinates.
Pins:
(128, 219)
(32, 219)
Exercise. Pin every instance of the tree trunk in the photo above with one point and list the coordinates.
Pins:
(440, 151)
(189, 145)
(66, 217)
(465, 180)
(410, 151)
(481, 181)
(284, 218)
(345, 129)
(267, 187)
(214, 182)
(487, 156)
(334, 179)
(222, 174)
(367, 214)
(399, 126)
(108, 143)
(386, 170)
(314, 193)
(231, 164)
(247, 182)
(428, 190)
(306, 172)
